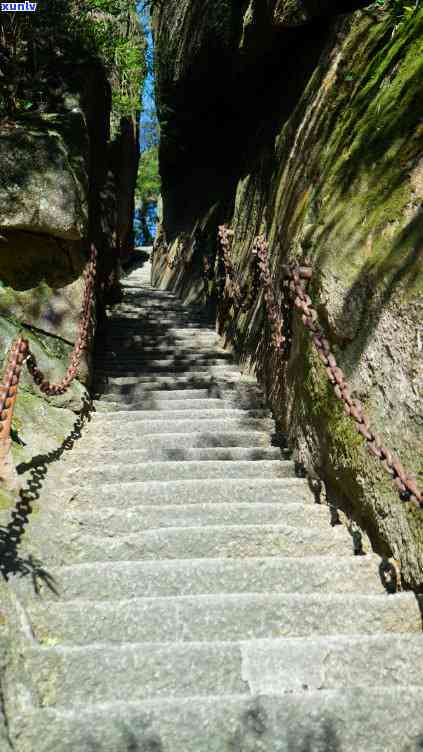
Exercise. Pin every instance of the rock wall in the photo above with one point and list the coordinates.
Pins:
(65, 181)
(47, 187)
(284, 118)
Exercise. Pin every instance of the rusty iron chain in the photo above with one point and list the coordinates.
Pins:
(406, 486)
(242, 295)
(9, 387)
(81, 340)
(298, 276)
(20, 352)
(274, 311)
(181, 254)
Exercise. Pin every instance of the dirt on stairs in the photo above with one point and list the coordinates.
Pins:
(195, 597)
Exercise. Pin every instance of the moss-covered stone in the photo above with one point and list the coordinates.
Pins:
(7, 500)
(333, 173)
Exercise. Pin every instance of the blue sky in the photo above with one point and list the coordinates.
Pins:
(148, 94)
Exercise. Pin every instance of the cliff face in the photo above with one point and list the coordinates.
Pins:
(68, 163)
(282, 118)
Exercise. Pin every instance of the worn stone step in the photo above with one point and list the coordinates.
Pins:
(91, 674)
(159, 318)
(136, 300)
(140, 355)
(137, 386)
(195, 369)
(204, 491)
(163, 441)
(154, 314)
(120, 409)
(137, 579)
(172, 454)
(230, 541)
(158, 361)
(377, 719)
(221, 375)
(142, 351)
(155, 368)
(139, 427)
(164, 326)
(179, 470)
(109, 406)
(183, 340)
(186, 341)
(150, 517)
(147, 290)
(144, 301)
(172, 412)
(160, 395)
(222, 617)
(131, 397)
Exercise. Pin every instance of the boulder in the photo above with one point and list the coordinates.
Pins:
(44, 175)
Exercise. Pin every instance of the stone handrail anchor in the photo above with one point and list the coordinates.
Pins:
(20, 353)
(298, 276)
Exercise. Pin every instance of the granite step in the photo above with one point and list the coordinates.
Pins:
(173, 412)
(70, 676)
(138, 579)
(179, 470)
(159, 395)
(377, 719)
(171, 440)
(151, 517)
(171, 454)
(224, 541)
(204, 491)
(161, 425)
(202, 618)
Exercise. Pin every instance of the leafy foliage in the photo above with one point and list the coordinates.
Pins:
(399, 11)
(115, 33)
(37, 50)
(148, 180)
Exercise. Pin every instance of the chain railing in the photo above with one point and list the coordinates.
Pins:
(242, 295)
(20, 353)
(297, 277)
(181, 253)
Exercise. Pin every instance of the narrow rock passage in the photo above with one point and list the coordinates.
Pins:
(205, 601)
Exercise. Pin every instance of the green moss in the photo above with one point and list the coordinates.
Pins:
(375, 144)
(7, 500)
(336, 429)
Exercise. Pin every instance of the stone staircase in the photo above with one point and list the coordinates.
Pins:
(200, 600)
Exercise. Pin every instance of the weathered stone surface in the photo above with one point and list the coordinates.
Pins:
(221, 593)
(327, 164)
(374, 718)
(44, 176)
(41, 281)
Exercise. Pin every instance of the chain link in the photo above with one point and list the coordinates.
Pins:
(297, 277)
(245, 295)
(181, 255)
(20, 352)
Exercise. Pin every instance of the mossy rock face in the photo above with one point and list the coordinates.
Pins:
(339, 180)
(7, 500)
(354, 210)
(41, 424)
(41, 283)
